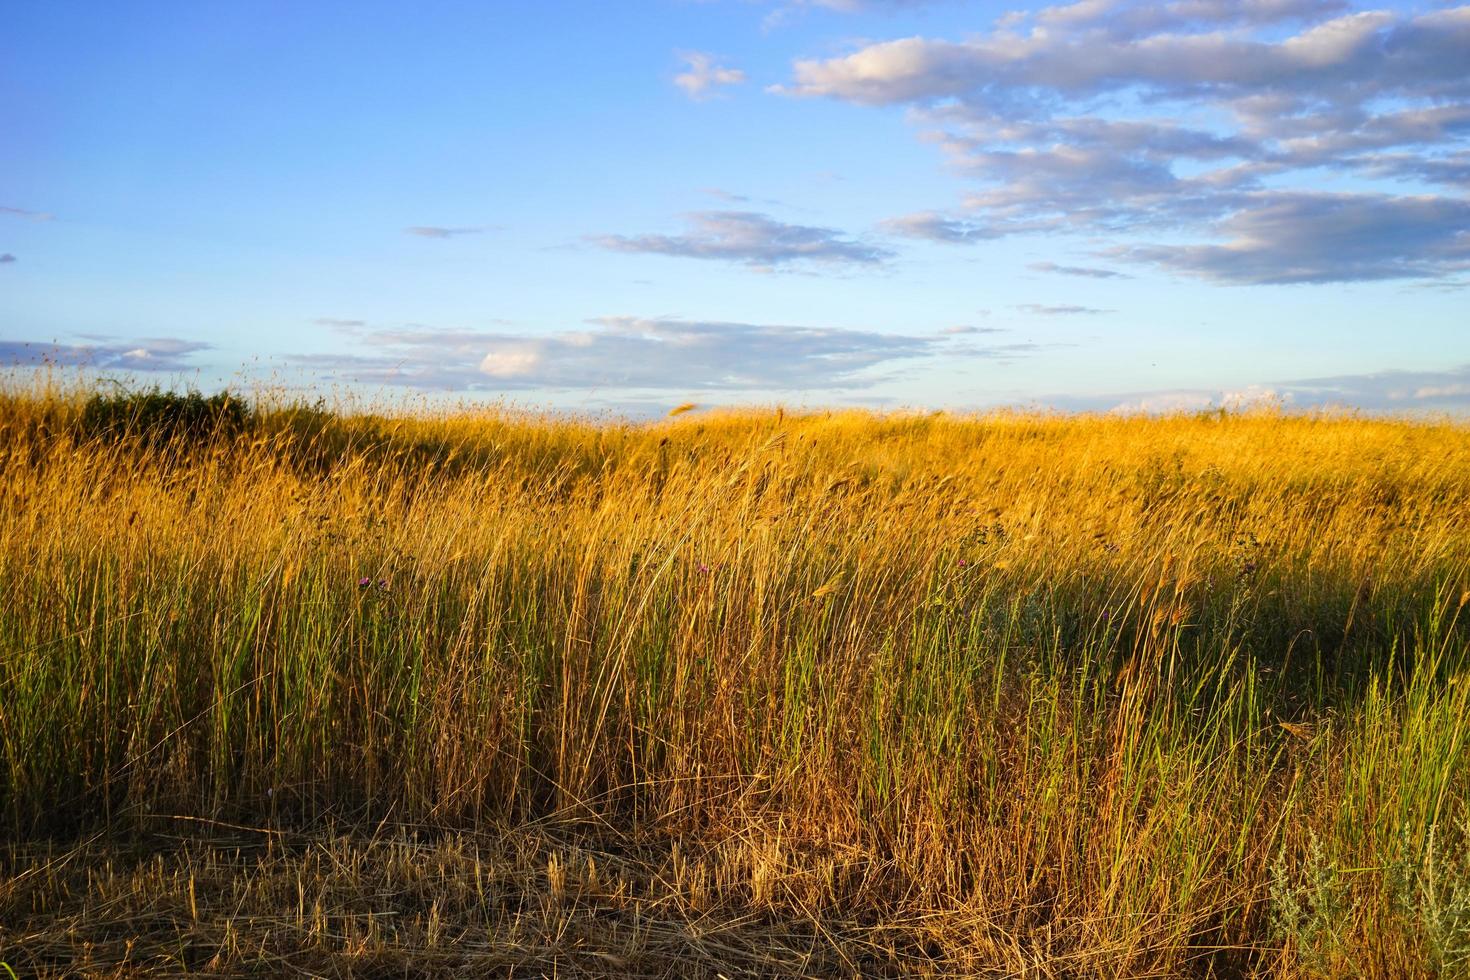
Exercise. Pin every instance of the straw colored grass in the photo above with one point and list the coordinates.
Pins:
(754, 693)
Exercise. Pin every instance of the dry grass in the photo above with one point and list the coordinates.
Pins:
(832, 694)
(519, 902)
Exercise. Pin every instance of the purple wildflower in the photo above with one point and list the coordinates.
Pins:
(364, 582)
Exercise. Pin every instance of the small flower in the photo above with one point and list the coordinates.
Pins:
(963, 563)
(383, 584)
(703, 567)
(364, 582)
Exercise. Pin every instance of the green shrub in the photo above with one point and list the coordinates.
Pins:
(157, 416)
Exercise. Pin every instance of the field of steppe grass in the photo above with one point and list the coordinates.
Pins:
(744, 693)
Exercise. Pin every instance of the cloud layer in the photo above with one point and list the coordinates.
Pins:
(637, 353)
(148, 354)
(27, 215)
(1085, 272)
(753, 239)
(1038, 309)
(1205, 118)
(1395, 392)
(1285, 237)
(434, 231)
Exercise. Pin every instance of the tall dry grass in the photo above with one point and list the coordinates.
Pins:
(1026, 695)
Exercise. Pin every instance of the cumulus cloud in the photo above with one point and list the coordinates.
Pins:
(751, 238)
(1376, 50)
(1192, 117)
(6, 258)
(147, 354)
(638, 354)
(704, 75)
(434, 231)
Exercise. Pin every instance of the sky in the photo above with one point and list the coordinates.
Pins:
(593, 205)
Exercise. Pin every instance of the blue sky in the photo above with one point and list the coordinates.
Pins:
(629, 205)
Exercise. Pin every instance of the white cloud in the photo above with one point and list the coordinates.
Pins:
(754, 239)
(1191, 117)
(1397, 392)
(935, 227)
(640, 354)
(1444, 390)
(144, 354)
(1457, 390)
(1300, 237)
(512, 363)
(705, 74)
(1375, 51)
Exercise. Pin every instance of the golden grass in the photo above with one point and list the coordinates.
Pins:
(824, 694)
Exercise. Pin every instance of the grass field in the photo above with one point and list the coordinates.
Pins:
(734, 694)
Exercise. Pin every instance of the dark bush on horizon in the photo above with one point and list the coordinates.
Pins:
(156, 416)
